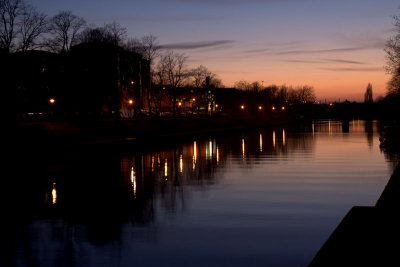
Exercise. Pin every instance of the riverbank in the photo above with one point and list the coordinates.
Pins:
(367, 235)
(135, 130)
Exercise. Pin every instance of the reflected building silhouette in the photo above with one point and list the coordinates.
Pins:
(345, 126)
(369, 130)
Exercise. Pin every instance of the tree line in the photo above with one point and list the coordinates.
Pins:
(284, 94)
(23, 28)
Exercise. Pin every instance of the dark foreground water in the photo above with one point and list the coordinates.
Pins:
(268, 197)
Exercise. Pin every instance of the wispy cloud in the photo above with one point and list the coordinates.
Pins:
(372, 69)
(230, 2)
(198, 45)
(324, 60)
(344, 61)
(270, 47)
(302, 61)
(158, 19)
(257, 51)
(320, 51)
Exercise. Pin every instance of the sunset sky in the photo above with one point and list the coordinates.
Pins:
(335, 46)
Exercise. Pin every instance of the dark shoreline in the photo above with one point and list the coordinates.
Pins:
(367, 234)
(67, 134)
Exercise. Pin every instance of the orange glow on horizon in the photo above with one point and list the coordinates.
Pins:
(331, 80)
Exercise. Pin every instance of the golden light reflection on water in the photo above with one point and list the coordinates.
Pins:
(54, 194)
(194, 155)
(313, 128)
(243, 147)
(133, 181)
(209, 150)
(166, 168)
(220, 152)
(273, 139)
(181, 163)
(217, 156)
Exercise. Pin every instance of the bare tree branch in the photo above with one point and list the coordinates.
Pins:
(65, 26)
(116, 32)
(32, 25)
(9, 12)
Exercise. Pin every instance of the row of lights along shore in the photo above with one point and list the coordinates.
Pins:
(242, 107)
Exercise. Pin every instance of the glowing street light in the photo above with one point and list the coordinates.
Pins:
(242, 107)
(52, 101)
(273, 108)
(179, 103)
(130, 101)
(260, 107)
(283, 108)
(132, 82)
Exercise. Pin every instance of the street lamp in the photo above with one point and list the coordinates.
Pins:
(242, 107)
(260, 107)
(283, 108)
(130, 101)
(273, 108)
(52, 101)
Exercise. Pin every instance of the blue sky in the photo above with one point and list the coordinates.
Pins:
(335, 46)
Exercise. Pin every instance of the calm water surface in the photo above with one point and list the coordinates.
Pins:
(268, 197)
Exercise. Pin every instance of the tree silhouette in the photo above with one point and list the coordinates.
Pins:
(32, 25)
(10, 10)
(368, 94)
(65, 27)
(393, 59)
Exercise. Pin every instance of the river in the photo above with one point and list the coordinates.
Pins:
(260, 197)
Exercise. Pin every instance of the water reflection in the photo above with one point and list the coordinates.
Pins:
(345, 126)
(243, 148)
(54, 194)
(283, 137)
(369, 130)
(126, 201)
(133, 181)
(273, 138)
